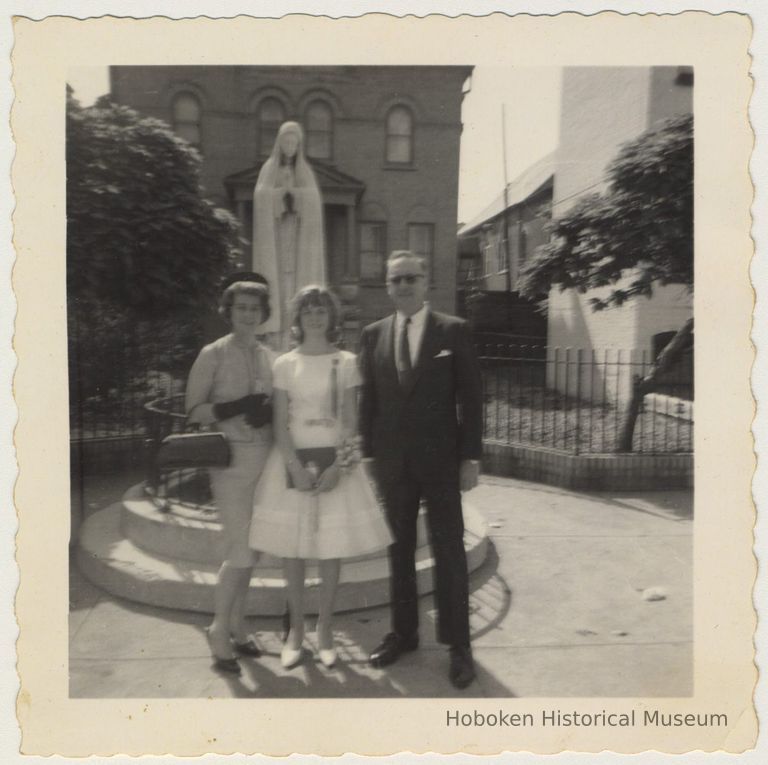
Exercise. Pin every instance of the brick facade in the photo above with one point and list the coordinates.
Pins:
(359, 184)
(589, 472)
(496, 245)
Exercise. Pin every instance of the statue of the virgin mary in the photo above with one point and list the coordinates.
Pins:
(288, 242)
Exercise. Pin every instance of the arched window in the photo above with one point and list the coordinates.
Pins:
(271, 116)
(186, 117)
(399, 135)
(318, 120)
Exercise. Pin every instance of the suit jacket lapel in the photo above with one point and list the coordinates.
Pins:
(386, 351)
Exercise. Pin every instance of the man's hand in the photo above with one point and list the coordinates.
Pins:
(469, 472)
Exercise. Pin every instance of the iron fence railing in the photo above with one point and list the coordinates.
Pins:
(117, 365)
(576, 400)
(188, 487)
(567, 399)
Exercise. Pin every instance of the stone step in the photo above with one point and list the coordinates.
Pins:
(188, 533)
(115, 563)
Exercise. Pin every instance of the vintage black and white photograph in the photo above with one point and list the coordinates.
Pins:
(369, 384)
(381, 380)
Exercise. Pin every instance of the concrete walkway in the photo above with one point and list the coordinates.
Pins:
(556, 610)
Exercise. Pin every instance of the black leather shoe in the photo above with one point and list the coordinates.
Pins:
(462, 670)
(390, 649)
(229, 666)
(248, 648)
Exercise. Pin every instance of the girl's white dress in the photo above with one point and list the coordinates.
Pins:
(344, 522)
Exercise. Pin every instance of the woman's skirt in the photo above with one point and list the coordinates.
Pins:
(233, 490)
(342, 523)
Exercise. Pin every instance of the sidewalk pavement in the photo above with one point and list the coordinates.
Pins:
(557, 609)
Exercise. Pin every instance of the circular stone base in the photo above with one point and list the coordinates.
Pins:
(109, 557)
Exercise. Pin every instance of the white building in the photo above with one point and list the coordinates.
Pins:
(602, 108)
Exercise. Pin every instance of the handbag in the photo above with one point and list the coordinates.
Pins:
(193, 450)
(321, 457)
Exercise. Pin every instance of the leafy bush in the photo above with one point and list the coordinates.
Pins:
(146, 253)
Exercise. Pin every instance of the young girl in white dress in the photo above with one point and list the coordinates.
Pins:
(314, 500)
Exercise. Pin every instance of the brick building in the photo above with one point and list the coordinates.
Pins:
(383, 140)
(521, 216)
(527, 209)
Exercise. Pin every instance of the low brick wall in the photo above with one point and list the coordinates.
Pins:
(589, 472)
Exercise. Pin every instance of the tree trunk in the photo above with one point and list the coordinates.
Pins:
(642, 385)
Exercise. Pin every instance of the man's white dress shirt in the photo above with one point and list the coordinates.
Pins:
(415, 331)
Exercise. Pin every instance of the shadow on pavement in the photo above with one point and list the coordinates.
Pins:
(490, 597)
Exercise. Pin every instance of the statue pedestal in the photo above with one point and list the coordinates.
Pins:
(171, 559)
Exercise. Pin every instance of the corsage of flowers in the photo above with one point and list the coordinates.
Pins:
(348, 453)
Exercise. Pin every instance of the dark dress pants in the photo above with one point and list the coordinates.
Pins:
(446, 533)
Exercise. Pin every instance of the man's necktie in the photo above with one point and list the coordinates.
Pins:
(405, 367)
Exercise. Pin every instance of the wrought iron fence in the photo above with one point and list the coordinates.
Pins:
(186, 487)
(116, 366)
(568, 399)
(577, 401)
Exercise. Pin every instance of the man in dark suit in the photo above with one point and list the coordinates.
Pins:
(421, 424)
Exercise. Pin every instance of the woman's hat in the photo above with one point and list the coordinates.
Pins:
(242, 276)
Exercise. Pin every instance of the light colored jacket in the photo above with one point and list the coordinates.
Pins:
(225, 371)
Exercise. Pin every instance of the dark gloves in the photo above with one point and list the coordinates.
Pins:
(228, 409)
(257, 410)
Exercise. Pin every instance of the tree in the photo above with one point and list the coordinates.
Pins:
(145, 251)
(140, 234)
(634, 236)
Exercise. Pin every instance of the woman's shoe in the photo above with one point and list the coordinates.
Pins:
(247, 648)
(231, 666)
(291, 657)
(327, 655)
(228, 664)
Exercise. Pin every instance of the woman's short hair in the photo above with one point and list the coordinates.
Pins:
(256, 289)
(315, 295)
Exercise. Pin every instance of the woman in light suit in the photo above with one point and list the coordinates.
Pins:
(230, 384)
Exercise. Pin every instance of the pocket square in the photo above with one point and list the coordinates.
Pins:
(443, 354)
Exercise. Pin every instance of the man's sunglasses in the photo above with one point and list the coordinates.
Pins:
(407, 278)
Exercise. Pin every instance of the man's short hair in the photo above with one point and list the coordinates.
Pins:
(401, 254)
